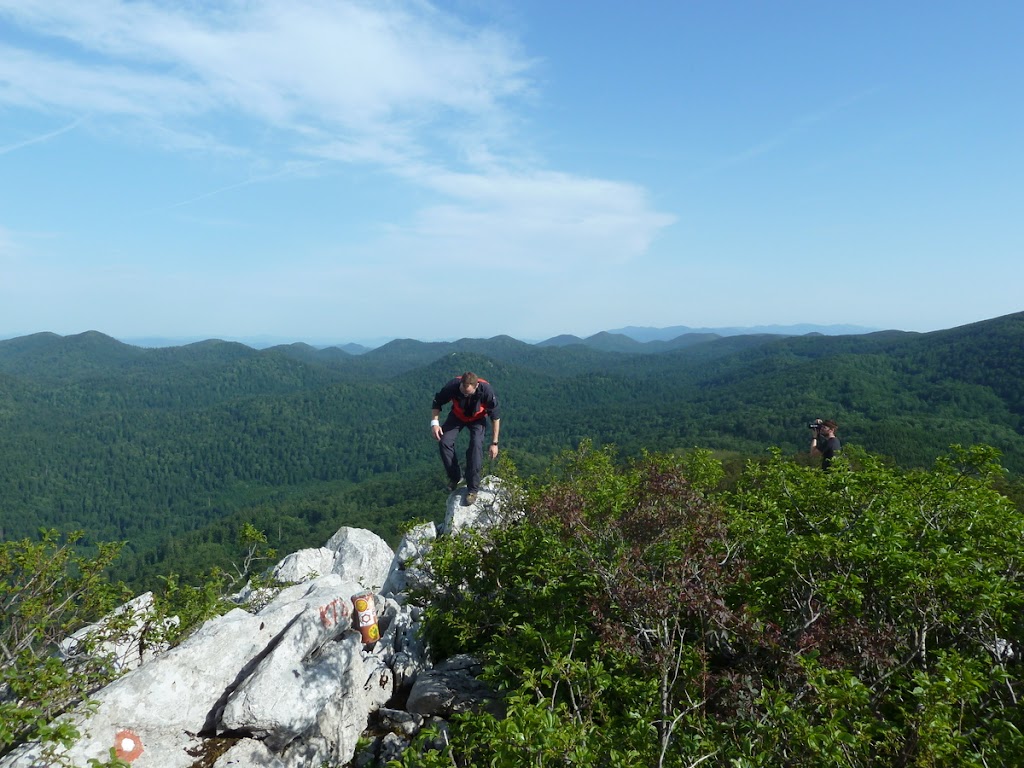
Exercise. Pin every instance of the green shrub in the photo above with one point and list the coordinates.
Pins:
(48, 590)
(868, 617)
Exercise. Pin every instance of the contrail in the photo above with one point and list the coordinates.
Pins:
(291, 170)
(42, 138)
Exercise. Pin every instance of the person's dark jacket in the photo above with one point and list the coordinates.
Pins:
(468, 408)
(828, 451)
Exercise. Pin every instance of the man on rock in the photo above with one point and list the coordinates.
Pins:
(473, 400)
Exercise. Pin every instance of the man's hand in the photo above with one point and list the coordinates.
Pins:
(494, 452)
(435, 430)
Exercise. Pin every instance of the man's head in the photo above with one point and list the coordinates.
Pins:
(829, 427)
(468, 383)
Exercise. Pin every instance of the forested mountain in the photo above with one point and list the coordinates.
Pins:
(617, 342)
(169, 448)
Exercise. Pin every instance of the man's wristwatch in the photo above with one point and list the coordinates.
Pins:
(495, 442)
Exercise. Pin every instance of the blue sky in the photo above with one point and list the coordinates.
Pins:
(334, 171)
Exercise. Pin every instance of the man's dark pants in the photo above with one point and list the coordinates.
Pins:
(474, 454)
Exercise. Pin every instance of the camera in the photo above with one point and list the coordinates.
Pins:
(815, 425)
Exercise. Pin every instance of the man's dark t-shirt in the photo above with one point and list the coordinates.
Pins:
(828, 450)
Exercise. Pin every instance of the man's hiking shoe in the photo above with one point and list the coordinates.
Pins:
(452, 485)
(470, 498)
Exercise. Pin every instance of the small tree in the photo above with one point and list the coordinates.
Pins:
(48, 590)
(193, 604)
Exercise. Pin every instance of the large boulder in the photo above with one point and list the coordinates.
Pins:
(486, 512)
(361, 556)
(333, 737)
(311, 696)
(407, 568)
(355, 554)
(159, 707)
(304, 565)
(285, 693)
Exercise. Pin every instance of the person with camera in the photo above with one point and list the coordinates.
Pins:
(824, 443)
(473, 401)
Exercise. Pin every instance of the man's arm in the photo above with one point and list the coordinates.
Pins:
(491, 405)
(435, 423)
(816, 437)
(494, 412)
(495, 430)
(443, 396)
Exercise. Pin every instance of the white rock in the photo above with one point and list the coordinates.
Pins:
(333, 738)
(378, 684)
(248, 753)
(304, 565)
(164, 702)
(400, 646)
(406, 568)
(416, 542)
(284, 695)
(117, 636)
(180, 693)
(486, 512)
(362, 556)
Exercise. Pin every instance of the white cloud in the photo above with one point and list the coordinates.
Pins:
(541, 220)
(42, 82)
(401, 87)
(372, 78)
(305, 64)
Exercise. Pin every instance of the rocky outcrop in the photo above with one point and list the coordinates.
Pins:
(354, 554)
(487, 512)
(285, 680)
(119, 637)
